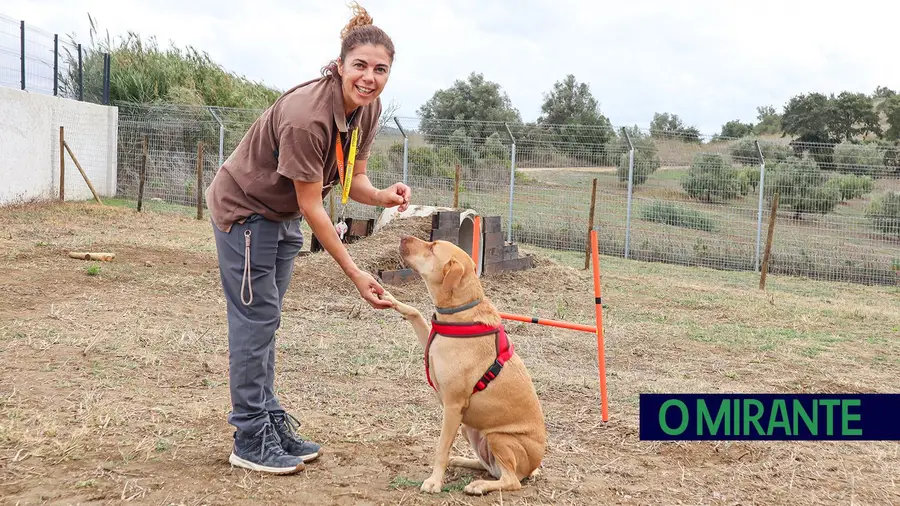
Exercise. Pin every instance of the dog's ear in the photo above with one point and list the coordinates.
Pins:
(453, 273)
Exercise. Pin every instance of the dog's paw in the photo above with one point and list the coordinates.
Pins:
(477, 487)
(432, 486)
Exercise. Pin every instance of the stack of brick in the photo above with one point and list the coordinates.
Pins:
(500, 255)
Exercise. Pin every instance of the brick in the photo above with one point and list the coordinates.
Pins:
(446, 234)
(491, 224)
(493, 240)
(398, 277)
(445, 219)
(510, 251)
(516, 264)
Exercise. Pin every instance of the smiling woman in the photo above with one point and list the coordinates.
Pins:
(317, 135)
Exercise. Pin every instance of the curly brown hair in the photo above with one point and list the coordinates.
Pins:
(360, 30)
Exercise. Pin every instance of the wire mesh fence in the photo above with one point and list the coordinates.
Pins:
(37, 61)
(669, 197)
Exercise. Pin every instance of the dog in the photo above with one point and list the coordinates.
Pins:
(484, 387)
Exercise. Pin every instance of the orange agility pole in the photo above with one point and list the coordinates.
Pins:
(598, 310)
(598, 330)
(549, 323)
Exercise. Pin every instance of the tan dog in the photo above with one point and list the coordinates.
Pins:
(503, 422)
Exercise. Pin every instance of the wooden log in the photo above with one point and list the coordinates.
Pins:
(82, 255)
(86, 179)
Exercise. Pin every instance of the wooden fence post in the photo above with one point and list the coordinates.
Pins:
(143, 174)
(200, 180)
(587, 253)
(765, 264)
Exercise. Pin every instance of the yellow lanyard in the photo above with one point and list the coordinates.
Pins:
(339, 153)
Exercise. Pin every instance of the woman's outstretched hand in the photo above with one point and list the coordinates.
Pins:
(398, 194)
(370, 289)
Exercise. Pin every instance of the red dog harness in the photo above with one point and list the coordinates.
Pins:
(450, 329)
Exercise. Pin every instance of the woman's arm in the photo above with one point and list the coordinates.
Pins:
(309, 198)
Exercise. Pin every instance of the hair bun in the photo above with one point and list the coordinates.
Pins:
(360, 17)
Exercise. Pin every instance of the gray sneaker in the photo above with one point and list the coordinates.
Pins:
(263, 452)
(286, 427)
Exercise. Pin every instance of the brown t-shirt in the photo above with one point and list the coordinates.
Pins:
(294, 139)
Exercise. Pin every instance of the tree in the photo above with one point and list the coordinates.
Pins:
(769, 121)
(884, 92)
(808, 118)
(477, 101)
(570, 114)
(853, 116)
(734, 129)
(891, 108)
(670, 126)
(571, 102)
(819, 122)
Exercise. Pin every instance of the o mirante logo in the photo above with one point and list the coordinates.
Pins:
(669, 417)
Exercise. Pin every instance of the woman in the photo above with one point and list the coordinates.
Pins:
(292, 156)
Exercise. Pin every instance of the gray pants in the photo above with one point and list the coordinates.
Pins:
(254, 295)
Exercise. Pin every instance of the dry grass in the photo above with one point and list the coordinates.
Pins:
(114, 385)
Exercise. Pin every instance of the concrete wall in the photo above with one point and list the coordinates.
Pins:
(29, 147)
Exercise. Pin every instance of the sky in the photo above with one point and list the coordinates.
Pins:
(707, 61)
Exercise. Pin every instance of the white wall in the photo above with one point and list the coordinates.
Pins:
(29, 146)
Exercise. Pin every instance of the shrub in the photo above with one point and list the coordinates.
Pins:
(858, 158)
(646, 157)
(712, 177)
(671, 214)
(803, 187)
(646, 162)
(852, 186)
(884, 212)
(744, 152)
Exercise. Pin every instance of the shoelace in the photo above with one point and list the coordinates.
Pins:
(290, 425)
(270, 441)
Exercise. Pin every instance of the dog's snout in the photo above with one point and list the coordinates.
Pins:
(404, 245)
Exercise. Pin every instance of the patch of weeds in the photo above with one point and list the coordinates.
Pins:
(669, 213)
(811, 351)
(455, 486)
(163, 445)
(93, 270)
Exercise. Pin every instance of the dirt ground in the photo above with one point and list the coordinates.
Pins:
(114, 380)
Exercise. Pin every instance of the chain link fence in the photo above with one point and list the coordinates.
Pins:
(660, 196)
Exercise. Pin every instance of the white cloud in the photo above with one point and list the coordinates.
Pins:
(707, 61)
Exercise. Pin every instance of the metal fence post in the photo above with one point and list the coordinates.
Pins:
(22, 49)
(106, 70)
(221, 135)
(512, 183)
(80, 75)
(405, 151)
(630, 189)
(55, 65)
(762, 183)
